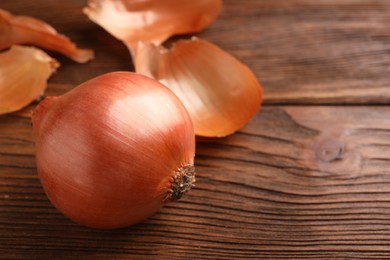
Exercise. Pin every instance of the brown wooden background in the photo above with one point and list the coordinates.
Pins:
(307, 178)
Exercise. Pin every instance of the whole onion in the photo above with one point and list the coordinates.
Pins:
(112, 151)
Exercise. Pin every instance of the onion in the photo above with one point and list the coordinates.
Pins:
(112, 151)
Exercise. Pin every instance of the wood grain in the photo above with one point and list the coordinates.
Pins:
(302, 51)
(311, 51)
(307, 178)
(285, 186)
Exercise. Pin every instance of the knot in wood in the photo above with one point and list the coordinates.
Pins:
(329, 150)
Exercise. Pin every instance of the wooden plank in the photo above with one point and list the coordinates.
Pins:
(302, 51)
(311, 51)
(302, 182)
(296, 182)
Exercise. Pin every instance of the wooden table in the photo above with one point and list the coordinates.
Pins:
(307, 178)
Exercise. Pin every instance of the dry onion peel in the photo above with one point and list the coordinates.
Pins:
(151, 21)
(29, 30)
(220, 93)
(23, 76)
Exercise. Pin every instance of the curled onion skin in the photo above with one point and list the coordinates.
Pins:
(112, 151)
(24, 72)
(220, 93)
(151, 21)
(19, 29)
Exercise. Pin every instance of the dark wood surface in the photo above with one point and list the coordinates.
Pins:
(307, 178)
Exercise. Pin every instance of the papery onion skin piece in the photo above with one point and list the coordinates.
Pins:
(24, 72)
(112, 151)
(29, 30)
(151, 21)
(220, 93)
